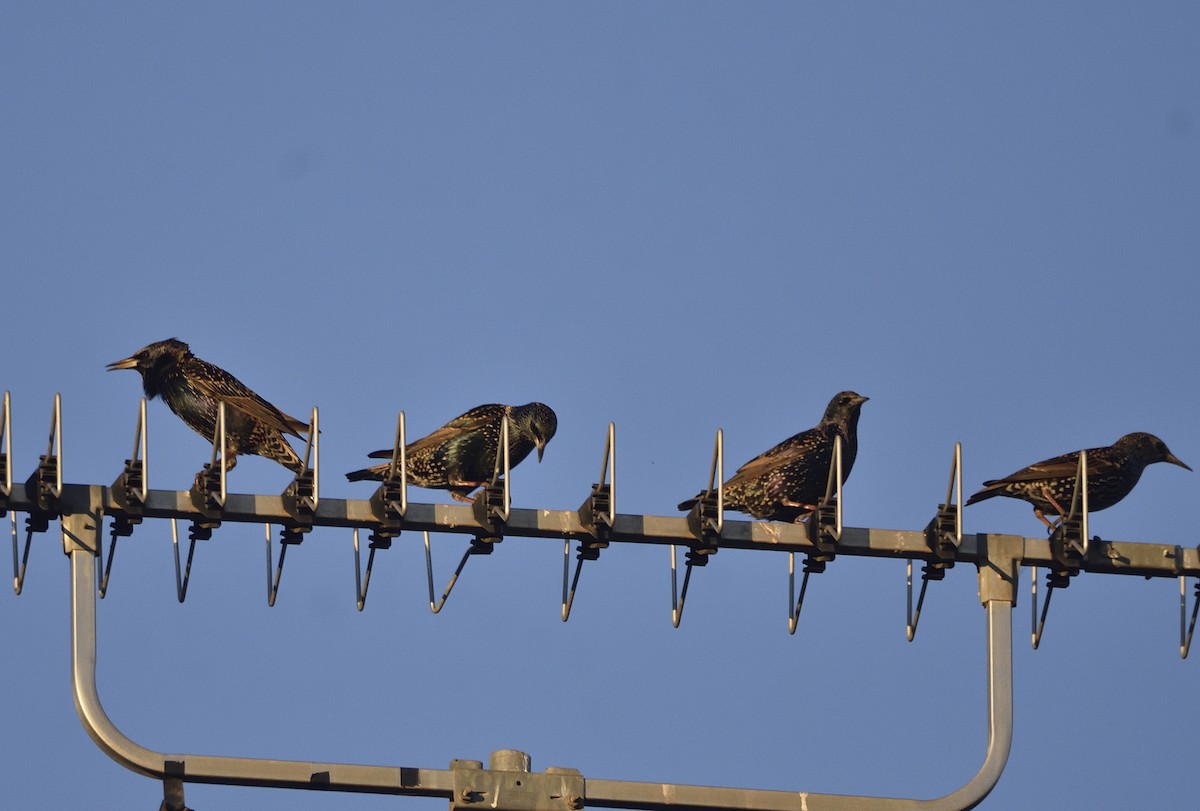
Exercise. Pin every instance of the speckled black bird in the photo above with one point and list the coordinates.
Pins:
(192, 388)
(1111, 472)
(786, 482)
(461, 455)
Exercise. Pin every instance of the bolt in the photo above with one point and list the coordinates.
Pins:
(574, 802)
(466, 796)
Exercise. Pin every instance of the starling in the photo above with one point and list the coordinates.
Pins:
(1111, 474)
(461, 455)
(192, 388)
(786, 482)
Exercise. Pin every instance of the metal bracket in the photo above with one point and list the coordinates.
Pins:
(598, 515)
(509, 785)
(944, 536)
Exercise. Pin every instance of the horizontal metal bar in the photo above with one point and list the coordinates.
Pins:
(1106, 557)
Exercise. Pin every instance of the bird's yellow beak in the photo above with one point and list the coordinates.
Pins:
(541, 446)
(127, 363)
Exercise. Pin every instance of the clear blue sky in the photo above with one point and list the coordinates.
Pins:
(673, 216)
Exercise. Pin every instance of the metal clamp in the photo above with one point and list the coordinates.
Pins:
(943, 534)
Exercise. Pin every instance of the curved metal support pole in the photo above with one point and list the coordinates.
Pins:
(81, 534)
(668, 797)
(173, 769)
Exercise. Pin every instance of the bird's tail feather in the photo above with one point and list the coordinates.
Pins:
(366, 474)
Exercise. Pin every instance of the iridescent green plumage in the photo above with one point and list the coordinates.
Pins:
(786, 482)
(461, 455)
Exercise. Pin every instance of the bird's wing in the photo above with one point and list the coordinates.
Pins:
(220, 385)
(473, 420)
(798, 445)
(1059, 467)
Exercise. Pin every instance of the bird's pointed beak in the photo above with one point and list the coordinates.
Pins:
(541, 447)
(1175, 460)
(127, 363)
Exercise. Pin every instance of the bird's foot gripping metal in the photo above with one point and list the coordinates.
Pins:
(491, 509)
(208, 491)
(824, 532)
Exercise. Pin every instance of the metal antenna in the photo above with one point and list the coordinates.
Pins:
(363, 581)
(944, 536)
(824, 525)
(393, 499)
(182, 579)
(598, 514)
(704, 525)
(494, 503)
(6, 481)
(47, 486)
(1186, 629)
(273, 585)
(210, 490)
(5, 448)
(479, 546)
(130, 491)
(1068, 546)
